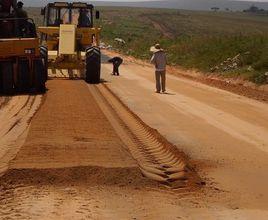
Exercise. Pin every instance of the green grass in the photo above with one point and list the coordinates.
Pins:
(198, 40)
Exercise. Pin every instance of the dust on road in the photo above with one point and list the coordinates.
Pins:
(73, 165)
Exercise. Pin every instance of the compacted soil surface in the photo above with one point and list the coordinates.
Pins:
(66, 161)
(224, 134)
(72, 165)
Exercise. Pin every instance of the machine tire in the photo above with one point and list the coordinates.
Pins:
(44, 56)
(7, 80)
(1, 80)
(93, 65)
(39, 71)
(24, 77)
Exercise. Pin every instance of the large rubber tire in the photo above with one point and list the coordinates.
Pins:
(39, 72)
(7, 81)
(44, 56)
(24, 78)
(1, 80)
(93, 65)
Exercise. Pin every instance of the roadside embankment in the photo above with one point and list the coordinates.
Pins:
(238, 86)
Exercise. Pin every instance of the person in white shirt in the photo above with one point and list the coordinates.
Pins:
(160, 61)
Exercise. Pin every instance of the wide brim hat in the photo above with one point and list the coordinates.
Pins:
(20, 3)
(156, 48)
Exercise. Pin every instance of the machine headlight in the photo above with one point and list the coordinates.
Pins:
(29, 51)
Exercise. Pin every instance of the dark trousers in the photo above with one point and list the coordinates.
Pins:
(116, 67)
(160, 78)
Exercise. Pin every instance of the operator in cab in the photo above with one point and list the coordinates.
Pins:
(20, 12)
(84, 20)
(25, 28)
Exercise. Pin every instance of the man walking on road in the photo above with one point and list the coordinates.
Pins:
(160, 61)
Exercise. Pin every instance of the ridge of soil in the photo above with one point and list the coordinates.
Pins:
(73, 165)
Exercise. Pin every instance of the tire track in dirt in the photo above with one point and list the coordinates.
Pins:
(73, 165)
(15, 116)
(70, 148)
(3, 101)
(157, 158)
(162, 29)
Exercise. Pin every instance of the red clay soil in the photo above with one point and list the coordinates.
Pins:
(240, 89)
(70, 130)
(73, 165)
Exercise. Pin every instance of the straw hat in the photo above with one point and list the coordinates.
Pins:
(156, 48)
(20, 4)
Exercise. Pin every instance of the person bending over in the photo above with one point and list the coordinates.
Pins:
(116, 61)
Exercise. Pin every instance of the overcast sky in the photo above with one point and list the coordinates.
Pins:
(182, 4)
(167, 0)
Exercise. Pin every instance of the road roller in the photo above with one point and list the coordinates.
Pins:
(23, 62)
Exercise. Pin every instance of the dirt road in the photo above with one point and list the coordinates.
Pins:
(225, 134)
(15, 114)
(73, 165)
(71, 161)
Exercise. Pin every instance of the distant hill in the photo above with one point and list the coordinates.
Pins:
(178, 4)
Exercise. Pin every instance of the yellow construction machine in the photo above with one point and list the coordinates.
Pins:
(68, 40)
(71, 38)
(22, 61)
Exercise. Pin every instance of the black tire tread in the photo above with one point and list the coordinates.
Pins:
(39, 82)
(23, 77)
(93, 65)
(7, 86)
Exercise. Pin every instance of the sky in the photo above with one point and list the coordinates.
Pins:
(182, 4)
(167, 0)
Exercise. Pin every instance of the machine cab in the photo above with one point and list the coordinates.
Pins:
(80, 14)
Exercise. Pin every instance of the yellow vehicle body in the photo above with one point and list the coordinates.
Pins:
(23, 61)
(19, 47)
(84, 36)
(71, 38)
(66, 45)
